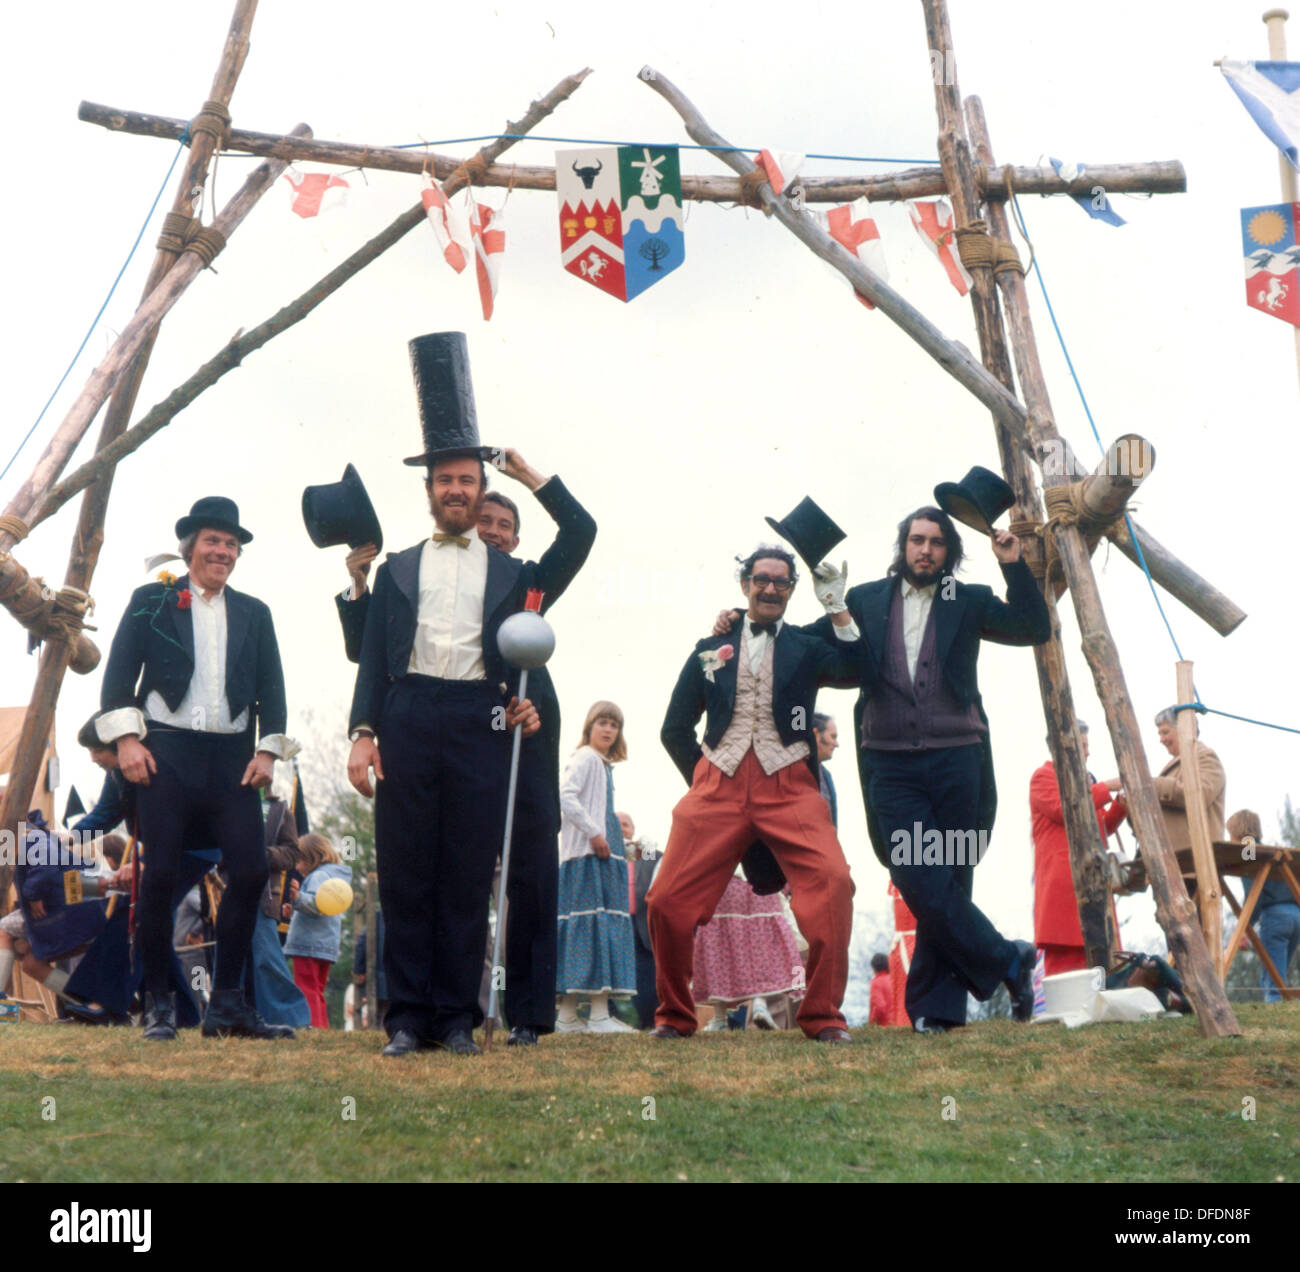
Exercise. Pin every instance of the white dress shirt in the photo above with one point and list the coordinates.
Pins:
(205, 708)
(449, 622)
(917, 602)
(757, 641)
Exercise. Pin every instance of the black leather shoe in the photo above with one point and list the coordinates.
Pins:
(403, 1043)
(460, 1043)
(834, 1034)
(229, 1016)
(666, 1031)
(1022, 986)
(159, 1017)
(522, 1036)
(929, 1025)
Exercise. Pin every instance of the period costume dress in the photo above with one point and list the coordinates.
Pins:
(596, 951)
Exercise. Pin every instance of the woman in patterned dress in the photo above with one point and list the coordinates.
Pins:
(596, 945)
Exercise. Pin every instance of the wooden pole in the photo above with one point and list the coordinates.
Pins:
(1174, 908)
(121, 373)
(1209, 895)
(239, 347)
(1275, 20)
(953, 357)
(1165, 177)
(1083, 834)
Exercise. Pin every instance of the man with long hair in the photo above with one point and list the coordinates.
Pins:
(924, 756)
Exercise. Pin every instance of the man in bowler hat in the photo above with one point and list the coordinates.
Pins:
(924, 756)
(432, 709)
(193, 696)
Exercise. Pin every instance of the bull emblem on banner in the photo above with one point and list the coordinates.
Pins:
(588, 175)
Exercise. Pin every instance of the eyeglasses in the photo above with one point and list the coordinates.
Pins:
(761, 581)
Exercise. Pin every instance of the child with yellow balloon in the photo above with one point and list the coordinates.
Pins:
(317, 925)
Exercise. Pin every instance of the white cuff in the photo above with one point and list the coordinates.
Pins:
(353, 592)
(848, 632)
(280, 745)
(119, 724)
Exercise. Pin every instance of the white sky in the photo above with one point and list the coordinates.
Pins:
(744, 381)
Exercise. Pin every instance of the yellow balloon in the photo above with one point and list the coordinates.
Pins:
(334, 896)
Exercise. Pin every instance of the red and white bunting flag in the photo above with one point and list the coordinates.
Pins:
(446, 222)
(855, 231)
(933, 222)
(310, 189)
(485, 226)
(780, 166)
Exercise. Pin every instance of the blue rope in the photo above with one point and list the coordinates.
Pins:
(1201, 709)
(1087, 410)
(95, 322)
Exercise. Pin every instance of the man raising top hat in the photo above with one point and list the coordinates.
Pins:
(194, 699)
(432, 709)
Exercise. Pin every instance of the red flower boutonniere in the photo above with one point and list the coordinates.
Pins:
(184, 598)
(712, 659)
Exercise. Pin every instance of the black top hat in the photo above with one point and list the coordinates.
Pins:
(217, 512)
(978, 500)
(812, 533)
(445, 396)
(341, 512)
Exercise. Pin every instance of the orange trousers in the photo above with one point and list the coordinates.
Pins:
(712, 826)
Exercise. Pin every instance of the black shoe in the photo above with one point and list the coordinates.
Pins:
(929, 1025)
(666, 1031)
(1022, 986)
(461, 1043)
(833, 1034)
(85, 1014)
(522, 1036)
(403, 1043)
(229, 1016)
(159, 1017)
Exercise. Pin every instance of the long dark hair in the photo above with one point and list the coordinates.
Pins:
(950, 537)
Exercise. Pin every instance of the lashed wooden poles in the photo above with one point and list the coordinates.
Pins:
(1166, 177)
(242, 345)
(1209, 894)
(1086, 849)
(170, 273)
(953, 357)
(1174, 908)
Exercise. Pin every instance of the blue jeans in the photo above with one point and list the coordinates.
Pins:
(275, 995)
(1279, 930)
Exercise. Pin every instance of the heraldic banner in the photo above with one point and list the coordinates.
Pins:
(620, 216)
(1268, 237)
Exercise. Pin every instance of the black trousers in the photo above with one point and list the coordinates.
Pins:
(957, 949)
(195, 797)
(439, 820)
(532, 891)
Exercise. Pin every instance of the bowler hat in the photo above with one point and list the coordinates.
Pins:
(811, 532)
(444, 394)
(978, 500)
(341, 512)
(215, 512)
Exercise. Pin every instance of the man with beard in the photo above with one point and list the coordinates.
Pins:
(925, 760)
(430, 713)
(534, 859)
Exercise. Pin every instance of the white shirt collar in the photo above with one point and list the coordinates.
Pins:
(910, 589)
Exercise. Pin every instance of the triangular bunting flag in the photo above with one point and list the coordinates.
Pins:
(780, 166)
(486, 229)
(932, 220)
(854, 230)
(447, 228)
(311, 191)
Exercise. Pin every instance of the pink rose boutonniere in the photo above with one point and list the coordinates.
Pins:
(712, 659)
(184, 598)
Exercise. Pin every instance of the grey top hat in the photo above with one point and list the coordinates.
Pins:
(214, 511)
(445, 396)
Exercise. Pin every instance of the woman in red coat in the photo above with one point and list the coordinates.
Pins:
(1056, 912)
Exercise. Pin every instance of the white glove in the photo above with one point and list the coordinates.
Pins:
(828, 586)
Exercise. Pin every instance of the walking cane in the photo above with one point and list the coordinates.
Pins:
(526, 641)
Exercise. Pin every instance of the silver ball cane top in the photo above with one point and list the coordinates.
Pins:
(526, 640)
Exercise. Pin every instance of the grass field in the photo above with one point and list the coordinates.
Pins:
(1151, 1102)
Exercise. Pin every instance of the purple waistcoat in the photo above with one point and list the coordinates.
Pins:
(925, 716)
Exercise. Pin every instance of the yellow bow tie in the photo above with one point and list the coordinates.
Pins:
(460, 540)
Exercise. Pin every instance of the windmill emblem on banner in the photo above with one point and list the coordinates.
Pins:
(620, 216)
(1268, 238)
